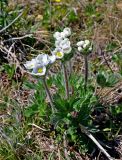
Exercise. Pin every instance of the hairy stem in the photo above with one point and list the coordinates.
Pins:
(65, 80)
(84, 130)
(70, 72)
(86, 71)
(48, 94)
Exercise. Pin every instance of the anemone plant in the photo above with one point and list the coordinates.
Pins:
(72, 110)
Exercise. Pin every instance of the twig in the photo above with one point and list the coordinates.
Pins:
(98, 157)
(84, 130)
(17, 38)
(13, 56)
(78, 156)
(59, 154)
(65, 147)
(32, 124)
(107, 62)
(2, 30)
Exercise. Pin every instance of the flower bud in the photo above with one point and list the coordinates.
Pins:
(80, 43)
(80, 49)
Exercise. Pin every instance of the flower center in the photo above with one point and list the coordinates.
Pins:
(57, 0)
(40, 70)
(59, 54)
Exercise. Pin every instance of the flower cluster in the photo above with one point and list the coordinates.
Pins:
(62, 43)
(84, 46)
(38, 65)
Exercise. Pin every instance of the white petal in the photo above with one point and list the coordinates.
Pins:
(62, 34)
(87, 42)
(80, 49)
(90, 49)
(30, 64)
(67, 50)
(42, 59)
(58, 36)
(85, 45)
(65, 43)
(52, 59)
(80, 43)
(57, 43)
(67, 32)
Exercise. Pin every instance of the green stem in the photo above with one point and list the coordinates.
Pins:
(86, 71)
(48, 94)
(65, 80)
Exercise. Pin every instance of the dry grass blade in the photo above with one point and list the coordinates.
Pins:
(84, 130)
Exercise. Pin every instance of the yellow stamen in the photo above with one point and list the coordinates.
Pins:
(57, 0)
(40, 70)
(59, 54)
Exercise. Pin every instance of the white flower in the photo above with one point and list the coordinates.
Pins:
(42, 59)
(58, 52)
(58, 35)
(64, 43)
(67, 32)
(63, 35)
(87, 42)
(80, 43)
(52, 59)
(85, 45)
(30, 64)
(90, 48)
(39, 70)
(80, 49)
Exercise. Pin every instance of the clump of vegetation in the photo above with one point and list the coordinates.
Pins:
(60, 93)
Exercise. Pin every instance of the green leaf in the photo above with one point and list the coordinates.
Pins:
(10, 70)
(31, 110)
(29, 85)
(72, 16)
(111, 46)
(101, 80)
(113, 79)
